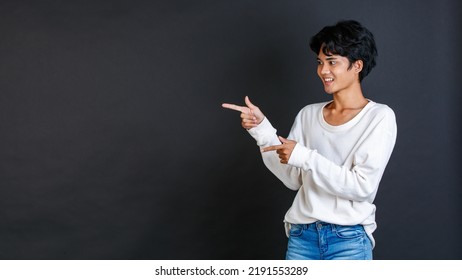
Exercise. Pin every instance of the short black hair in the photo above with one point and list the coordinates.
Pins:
(350, 39)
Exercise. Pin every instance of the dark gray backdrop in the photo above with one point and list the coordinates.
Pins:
(113, 144)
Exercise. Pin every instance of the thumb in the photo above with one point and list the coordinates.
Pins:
(283, 140)
(248, 103)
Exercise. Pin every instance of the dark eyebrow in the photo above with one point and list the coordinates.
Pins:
(328, 58)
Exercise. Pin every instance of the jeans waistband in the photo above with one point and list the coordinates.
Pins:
(321, 224)
(315, 224)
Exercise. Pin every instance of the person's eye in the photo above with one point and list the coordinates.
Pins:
(319, 62)
(332, 62)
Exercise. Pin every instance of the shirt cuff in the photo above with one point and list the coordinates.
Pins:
(300, 156)
(264, 133)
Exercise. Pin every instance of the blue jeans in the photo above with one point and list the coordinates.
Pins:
(324, 241)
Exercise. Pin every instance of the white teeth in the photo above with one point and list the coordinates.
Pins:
(328, 79)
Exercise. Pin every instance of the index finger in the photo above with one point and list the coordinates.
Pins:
(241, 109)
(271, 148)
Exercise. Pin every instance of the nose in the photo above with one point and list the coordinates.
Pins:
(324, 68)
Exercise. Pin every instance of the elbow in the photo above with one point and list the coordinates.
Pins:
(362, 189)
(362, 196)
(364, 184)
(365, 192)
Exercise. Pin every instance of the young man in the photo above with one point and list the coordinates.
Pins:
(335, 154)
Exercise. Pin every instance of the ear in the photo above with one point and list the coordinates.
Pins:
(358, 66)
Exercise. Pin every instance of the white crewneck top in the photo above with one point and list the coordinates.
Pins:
(335, 170)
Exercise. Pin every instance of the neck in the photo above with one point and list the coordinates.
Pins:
(351, 98)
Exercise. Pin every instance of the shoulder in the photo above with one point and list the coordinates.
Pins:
(315, 107)
(383, 116)
(380, 110)
(309, 112)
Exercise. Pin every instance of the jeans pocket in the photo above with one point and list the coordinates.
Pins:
(349, 232)
(296, 230)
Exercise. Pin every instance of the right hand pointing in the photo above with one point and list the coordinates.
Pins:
(251, 115)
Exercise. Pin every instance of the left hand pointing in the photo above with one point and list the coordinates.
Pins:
(284, 150)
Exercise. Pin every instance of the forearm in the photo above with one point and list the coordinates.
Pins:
(265, 135)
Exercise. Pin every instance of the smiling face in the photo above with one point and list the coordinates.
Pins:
(336, 72)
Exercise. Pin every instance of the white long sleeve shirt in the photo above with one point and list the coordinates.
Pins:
(335, 170)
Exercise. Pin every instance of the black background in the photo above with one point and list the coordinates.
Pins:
(114, 145)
